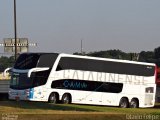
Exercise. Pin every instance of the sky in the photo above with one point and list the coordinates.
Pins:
(60, 25)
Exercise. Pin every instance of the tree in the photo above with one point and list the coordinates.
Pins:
(6, 62)
(146, 56)
(157, 53)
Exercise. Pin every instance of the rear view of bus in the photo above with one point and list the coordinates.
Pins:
(30, 74)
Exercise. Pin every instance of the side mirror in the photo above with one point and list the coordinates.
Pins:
(6, 70)
(37, 70)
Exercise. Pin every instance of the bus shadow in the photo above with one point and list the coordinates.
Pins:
(157, 106)
(3, 96)
(43, 106)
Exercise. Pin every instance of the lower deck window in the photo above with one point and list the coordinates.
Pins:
(84, 85)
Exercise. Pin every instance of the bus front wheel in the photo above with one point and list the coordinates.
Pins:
(66, 98)
(53, 98)
(123, 103)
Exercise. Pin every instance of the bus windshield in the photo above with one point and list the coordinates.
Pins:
(32, 60)
(21, 81)
(26, 61)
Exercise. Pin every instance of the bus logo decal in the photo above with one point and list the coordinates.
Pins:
(74, 84)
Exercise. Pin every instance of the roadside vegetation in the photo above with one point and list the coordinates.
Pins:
(143, 56)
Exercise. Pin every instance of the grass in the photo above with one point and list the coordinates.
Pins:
(40, 111)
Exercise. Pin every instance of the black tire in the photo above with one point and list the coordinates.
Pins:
(123, 103)
(53, 98)
(66, 98)
(134, 103)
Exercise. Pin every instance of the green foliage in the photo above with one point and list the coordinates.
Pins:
(115, 54)
(146, 56)
(143, 56)
(157, 53)
(6, 62)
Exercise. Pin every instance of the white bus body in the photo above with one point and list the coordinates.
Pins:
(83, 80)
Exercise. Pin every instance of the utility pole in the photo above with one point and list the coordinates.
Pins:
(15, 29)
(81, 47)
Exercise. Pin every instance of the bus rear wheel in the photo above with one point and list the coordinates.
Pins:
(123, 103)
(66, 98)
(134, 103)
(53, 98)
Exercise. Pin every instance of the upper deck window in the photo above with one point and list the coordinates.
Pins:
(27, 61)
(105, 66)
(32, 60)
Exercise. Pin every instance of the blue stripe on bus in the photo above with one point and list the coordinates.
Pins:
(31, 93)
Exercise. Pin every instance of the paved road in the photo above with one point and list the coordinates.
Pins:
(4, 86)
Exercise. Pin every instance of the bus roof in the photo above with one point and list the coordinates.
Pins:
(106, 59)
(95, 58)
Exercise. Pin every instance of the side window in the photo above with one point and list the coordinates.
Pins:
(109, 87)
(59, 67)
(63, 64)
(115, 87)
(40, 78)
(80, 64)
(47, 60)
(105, 66)
(69, 63)
(87, 85)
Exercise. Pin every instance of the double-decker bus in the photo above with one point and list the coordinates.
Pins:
(54, 77)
